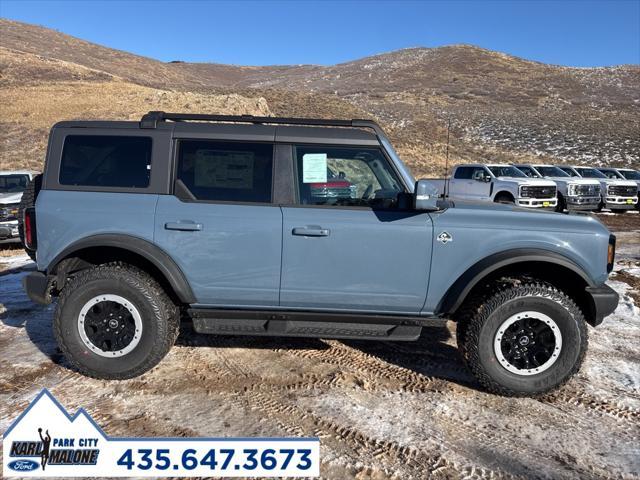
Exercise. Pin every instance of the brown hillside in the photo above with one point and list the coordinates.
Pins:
(501, 107)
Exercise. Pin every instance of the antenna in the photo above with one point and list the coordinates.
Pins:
(446, 163)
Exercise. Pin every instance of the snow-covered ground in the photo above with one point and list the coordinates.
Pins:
(381, 410)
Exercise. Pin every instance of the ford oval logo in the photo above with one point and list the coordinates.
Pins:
(23, 465)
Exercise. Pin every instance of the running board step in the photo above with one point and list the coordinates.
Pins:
(305, 328)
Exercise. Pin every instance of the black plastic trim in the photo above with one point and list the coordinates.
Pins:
(154, 254)
(458, 292)
(605, 301)
(37, 286)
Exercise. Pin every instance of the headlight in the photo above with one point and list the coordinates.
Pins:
(572, 189)
(526, 191)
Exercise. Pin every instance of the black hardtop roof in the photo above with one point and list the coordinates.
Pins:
(282, 129)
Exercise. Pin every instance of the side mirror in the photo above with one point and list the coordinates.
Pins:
(425, 196)
(487, 179)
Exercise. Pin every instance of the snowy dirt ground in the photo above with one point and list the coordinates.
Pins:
(381, 410)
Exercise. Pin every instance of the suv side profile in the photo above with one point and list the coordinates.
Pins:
(215, 218)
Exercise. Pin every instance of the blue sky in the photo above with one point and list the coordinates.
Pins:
(575, 33)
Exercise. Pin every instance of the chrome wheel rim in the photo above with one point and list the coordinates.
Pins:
(528, 343)
(110, 325)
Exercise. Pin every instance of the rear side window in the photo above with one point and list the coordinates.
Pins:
(226, 171)
(106, 161)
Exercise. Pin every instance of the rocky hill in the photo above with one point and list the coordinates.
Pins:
(501, 108)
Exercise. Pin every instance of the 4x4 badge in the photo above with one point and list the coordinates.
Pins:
(445, 237)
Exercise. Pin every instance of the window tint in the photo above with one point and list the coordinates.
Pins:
(479, 174)
(528, 171)
(630, 174)
(611, 174)
(226, 171)
(346, 176)
(569, 171)
(13, 183)
(463, 173)
(508, 171)
(106, 161)
(589, 173)
(552, 172)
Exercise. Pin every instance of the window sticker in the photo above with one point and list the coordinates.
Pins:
(224, 169)
(314, 168)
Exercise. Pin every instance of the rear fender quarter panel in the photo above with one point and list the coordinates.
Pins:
(478, 234)
(65, 217)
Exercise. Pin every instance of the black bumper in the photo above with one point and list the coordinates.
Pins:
(605, 300)
(38, 285)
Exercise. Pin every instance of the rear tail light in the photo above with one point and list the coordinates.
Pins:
(30, 240)
(611, 253)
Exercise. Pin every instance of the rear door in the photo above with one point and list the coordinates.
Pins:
(346, 244)
(221, 224)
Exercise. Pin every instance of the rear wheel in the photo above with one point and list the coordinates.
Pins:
(114, 321)
(523, 340)
(28, 200)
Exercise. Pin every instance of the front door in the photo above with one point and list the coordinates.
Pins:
(346, 245)
(480, 185)
(220, 226)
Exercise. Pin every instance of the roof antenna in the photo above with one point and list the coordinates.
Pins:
(446, 164)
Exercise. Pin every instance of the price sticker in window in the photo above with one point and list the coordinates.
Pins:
(314, 168)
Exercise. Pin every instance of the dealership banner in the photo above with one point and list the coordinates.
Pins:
(45, 441)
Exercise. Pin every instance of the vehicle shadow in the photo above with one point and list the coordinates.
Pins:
(429, 356)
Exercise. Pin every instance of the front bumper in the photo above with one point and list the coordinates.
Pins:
(536, 202)
(605, 301)
(582, 203)
(37, 285)
(622, 203)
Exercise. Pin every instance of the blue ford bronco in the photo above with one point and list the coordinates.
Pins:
(248, 226)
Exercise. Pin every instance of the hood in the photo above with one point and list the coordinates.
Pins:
(577, 181)
(505, 216)
(617, 181)
(536, 182)
(11, 197)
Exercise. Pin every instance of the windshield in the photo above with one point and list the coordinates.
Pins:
(13, 183)
(507, 171)
(612, 174)
(631, 174)
(528, 171)
(590, 173)
(552, 172)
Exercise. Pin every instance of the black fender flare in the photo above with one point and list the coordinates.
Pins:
(459, 290)
(144, 248)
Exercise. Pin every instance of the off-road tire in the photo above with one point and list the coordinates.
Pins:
(160, 320)
(480, 318)
(28, 200)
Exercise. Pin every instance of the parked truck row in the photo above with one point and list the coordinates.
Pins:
(557, 187)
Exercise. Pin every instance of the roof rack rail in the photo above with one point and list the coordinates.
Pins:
(151, 119)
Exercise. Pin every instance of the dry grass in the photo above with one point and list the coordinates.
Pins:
(28, 112)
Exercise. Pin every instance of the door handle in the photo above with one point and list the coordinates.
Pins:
(311, 231)
(185, 226)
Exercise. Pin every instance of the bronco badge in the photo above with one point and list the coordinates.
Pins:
(445, 237)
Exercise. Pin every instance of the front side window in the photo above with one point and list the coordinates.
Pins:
(226, 171)
(106, 161)
(13, 183)
(346, 176)
(463, 173)
(480, 174)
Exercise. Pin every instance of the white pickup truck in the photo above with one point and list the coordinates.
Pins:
(497, 183)
(623, 174)
(617, 195)
(12, 184)
(573, 193)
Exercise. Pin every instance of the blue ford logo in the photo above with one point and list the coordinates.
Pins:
(23, 465)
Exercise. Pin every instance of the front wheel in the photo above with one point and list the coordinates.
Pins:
(114, 321)
(523, 340)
